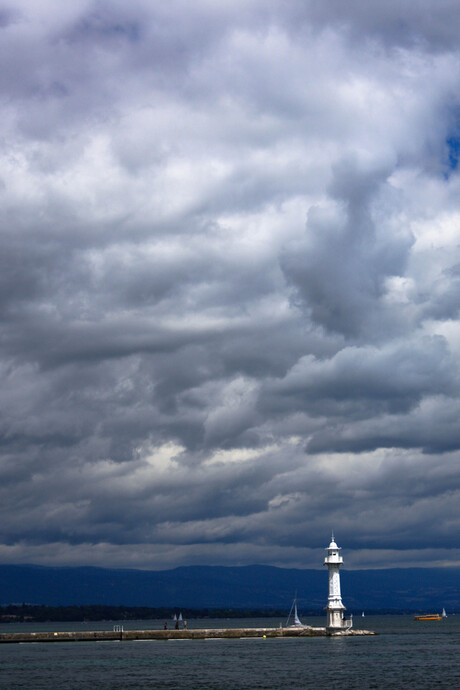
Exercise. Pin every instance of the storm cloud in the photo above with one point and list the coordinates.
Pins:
(230, 284)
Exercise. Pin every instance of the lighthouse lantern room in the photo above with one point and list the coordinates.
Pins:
(336, 621)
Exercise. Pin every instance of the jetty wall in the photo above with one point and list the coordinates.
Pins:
(164, 635)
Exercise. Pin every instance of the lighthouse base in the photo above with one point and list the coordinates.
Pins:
(336, 621)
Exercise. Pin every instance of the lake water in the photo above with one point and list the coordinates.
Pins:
(405, 654)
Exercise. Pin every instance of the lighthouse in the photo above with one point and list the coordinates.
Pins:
(336, 621)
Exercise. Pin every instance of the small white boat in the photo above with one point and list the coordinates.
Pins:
(362, 615)
(174, 617)
(297, 622)
(180, 617)
(444, 614)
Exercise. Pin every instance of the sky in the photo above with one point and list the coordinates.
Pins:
(230, 282)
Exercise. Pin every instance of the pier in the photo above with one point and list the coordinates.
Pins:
(165, 635)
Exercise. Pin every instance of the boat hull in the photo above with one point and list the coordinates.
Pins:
(429, 617)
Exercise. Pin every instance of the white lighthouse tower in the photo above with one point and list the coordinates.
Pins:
(336, 621)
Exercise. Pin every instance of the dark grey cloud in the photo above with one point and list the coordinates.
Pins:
(340, 268)
(393, 378)
(422, 24)
(229, 282)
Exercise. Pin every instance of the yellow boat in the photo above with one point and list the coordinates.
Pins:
(428, 617)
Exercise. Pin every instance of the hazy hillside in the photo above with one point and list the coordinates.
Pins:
(231, 587)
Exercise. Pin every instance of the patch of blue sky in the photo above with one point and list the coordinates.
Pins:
(453, 150)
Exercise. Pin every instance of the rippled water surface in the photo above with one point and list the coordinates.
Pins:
(405, 654)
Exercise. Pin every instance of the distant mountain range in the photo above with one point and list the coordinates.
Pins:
(245, 587)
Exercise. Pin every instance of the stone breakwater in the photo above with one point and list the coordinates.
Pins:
(198, 634)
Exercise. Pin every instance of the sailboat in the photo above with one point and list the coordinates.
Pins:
(180, 617)
(444, 614)
(362, 615)
(174, 617)
(297, 622)
(296, 617)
